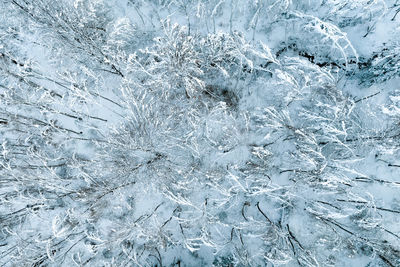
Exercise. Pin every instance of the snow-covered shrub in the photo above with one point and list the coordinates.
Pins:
(383, 66)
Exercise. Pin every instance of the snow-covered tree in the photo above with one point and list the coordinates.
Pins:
(199, 133)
